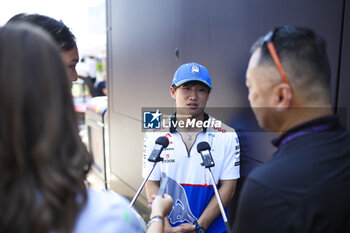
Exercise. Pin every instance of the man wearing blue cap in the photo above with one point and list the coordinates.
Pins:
(195, 207)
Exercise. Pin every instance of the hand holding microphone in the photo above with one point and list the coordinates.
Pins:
(161, 205)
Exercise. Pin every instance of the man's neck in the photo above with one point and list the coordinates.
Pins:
(297, 116)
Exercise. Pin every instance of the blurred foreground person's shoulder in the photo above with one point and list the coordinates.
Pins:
(107, 212)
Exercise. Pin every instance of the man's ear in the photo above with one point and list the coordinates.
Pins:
(172, 93)
(283, 96)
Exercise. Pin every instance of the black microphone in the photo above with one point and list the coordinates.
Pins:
(161, 142)
(204, 149)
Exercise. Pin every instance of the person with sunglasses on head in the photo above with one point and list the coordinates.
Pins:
(60, 33)
(305, 187)
(42, 187)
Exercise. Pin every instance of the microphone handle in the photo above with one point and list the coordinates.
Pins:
(141, 187)
(218, 198)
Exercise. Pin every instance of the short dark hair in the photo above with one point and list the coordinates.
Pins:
(191, 83)
(57, 29)
(303, 54)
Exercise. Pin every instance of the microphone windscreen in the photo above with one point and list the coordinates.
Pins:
(203, 146)
(162, 141)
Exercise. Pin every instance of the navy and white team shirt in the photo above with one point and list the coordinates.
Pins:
(189, 183)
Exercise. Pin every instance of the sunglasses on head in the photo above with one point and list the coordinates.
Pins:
(271, 47)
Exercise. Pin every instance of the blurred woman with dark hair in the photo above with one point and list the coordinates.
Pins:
(43, 162)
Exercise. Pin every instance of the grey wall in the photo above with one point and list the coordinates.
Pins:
(143, 37)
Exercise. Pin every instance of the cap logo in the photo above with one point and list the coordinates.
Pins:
(194, 69)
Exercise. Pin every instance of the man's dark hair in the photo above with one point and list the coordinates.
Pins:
(191, 83)
(57, 29)
(303, 55)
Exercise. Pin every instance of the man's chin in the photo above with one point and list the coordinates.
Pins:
(260, 116)
(191, 113)
(268, 125)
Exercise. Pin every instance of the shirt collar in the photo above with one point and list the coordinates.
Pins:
(315, 125)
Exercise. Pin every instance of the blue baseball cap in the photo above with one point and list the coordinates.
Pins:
(191, 72)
